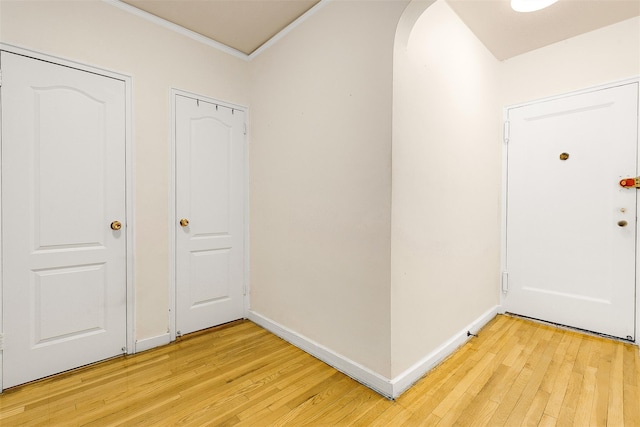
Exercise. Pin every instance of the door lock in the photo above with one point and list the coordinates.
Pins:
(630, 182)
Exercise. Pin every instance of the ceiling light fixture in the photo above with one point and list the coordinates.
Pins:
(530, 5)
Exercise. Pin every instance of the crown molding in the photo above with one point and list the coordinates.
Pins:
(178, 29)
(210, 42)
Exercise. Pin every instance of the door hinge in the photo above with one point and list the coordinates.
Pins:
(244, 128)
(506, 132)
(1, 342)
(505, 282)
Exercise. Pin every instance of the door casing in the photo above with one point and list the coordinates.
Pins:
(172, 205)
(129, 173)
(503, 240)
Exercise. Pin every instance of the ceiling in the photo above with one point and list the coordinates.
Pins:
(245, 25)
(507, 33)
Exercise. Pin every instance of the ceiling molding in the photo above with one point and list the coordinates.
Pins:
(210, 42)
(178, 29)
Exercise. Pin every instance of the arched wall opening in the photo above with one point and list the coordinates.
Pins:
(449, 92)
(446, 182)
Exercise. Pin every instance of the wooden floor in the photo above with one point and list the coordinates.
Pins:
(516, 373)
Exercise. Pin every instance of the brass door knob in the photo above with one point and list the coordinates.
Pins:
(622, 223)
(184, 222)
(116, 225)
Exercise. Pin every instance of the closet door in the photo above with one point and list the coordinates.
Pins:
(210, 214)
(63, 218)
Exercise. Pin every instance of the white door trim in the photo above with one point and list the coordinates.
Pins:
(172, 203)
(505, 148)
(129, 175)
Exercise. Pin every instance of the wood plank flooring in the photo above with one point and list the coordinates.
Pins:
(517, 373)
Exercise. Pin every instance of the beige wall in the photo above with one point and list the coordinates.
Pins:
(446, 184)
(96, 33)
(601, 56)
(321, 179)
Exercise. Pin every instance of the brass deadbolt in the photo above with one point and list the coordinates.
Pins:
(116, 225)
(184, 222)
(564, 156)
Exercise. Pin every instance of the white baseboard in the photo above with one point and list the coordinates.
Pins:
(386, 387)
(343, 364)
(149, 343)
(406, 379)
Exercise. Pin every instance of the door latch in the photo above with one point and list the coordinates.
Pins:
(630, 182)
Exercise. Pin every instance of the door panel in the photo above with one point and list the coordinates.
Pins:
(63, 182)
(54, 192)
(209, 194)
(210, 149)
(568, 260)
(84, 311)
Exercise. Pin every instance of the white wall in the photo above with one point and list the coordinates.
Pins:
(446, 184)
(320, 194)
(99, 34)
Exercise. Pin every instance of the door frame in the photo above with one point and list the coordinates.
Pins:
(174, 92)
(129, 183)
(505, 166)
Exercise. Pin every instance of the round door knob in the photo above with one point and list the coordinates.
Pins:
(622, 223)
(184, 222)
(116, 225)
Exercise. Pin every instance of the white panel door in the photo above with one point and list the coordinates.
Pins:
(63, 184)
(210, 212)
(571, 228)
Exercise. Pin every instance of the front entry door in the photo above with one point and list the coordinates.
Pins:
(571, 227)
(210, 214)
(63, 218)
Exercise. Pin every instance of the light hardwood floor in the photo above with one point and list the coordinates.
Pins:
(516, 373)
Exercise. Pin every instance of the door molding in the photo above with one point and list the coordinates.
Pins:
(129, 176)
(505, 147)
(174, 92)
